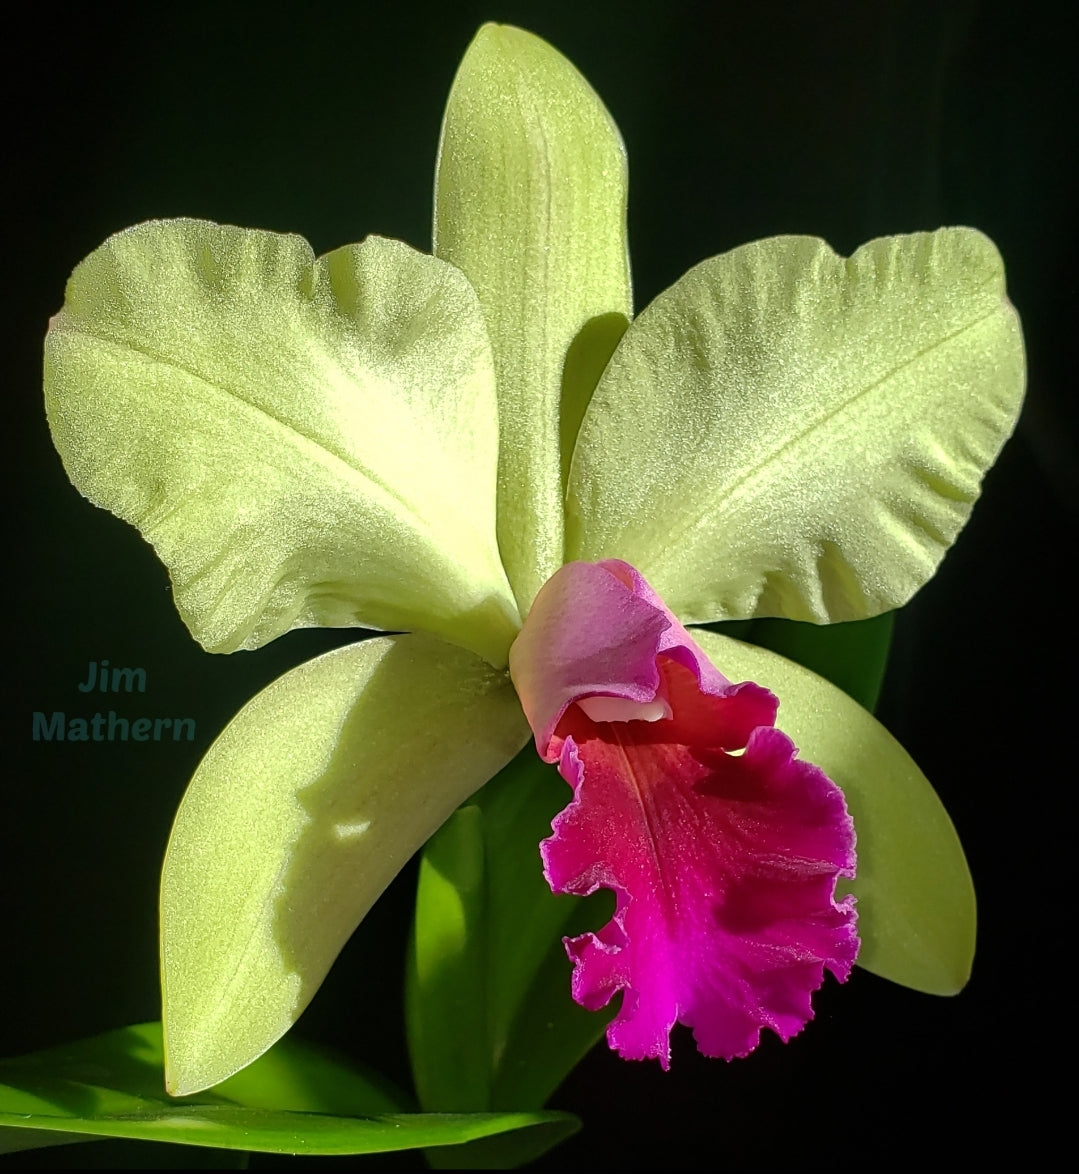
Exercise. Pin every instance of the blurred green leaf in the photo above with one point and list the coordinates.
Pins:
(13, 1141)
(510, 956)
(299, 1101)
(551, 1034)
(504, 1151)
(853, 655)
(538, 1033)
(524, 916)
(446, 1006)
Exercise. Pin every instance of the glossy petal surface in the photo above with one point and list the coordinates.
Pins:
(916, 907)
(530, 202)
(301, 813)
(303, 441)
(787, 432)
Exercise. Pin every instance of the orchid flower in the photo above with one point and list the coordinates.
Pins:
(479, 452)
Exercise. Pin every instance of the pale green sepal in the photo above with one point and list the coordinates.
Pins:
(300, 814)
(787, 432)
(916, 906)
(305, 442)
(530, 201)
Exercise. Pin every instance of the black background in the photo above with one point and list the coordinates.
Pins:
(844, 120)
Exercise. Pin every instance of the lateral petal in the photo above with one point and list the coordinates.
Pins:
(788, 432)
(304, 442)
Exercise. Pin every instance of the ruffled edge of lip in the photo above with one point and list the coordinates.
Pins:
(603, 959)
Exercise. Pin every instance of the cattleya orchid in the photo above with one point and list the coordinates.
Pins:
(478, 451)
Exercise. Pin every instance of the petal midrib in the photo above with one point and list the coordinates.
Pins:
(670, 900)
(316, 450)
(723, 505)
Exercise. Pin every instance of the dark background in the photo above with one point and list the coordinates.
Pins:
(844, 120)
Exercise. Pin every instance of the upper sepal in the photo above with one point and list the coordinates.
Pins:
(530, 203)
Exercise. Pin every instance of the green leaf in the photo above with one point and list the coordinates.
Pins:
(499, 943)
(538, 1033)
(301, 1102)
(300, 814)
(788, 433)
(297, 1077)
(304, 442)
(550, 1034)
(507, 1150)
(14, 1141)
(853, 656)
(530, 202)
(445, 983)
(126, 1067)
(916, 906)
(265, 1131)
(525, 920)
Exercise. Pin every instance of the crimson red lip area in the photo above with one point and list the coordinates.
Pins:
(722, 847)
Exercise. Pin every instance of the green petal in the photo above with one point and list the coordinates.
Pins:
(304, 442)
(530, 201)
(785, 432)
(300, 814)
(916, 908)
(853, 656)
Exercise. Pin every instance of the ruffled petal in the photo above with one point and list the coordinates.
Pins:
(917, 911)
(283, 430)
(721, 846)
(595, 630)
(788, 432)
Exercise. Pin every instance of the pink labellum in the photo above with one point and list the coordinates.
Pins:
(722, 847)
